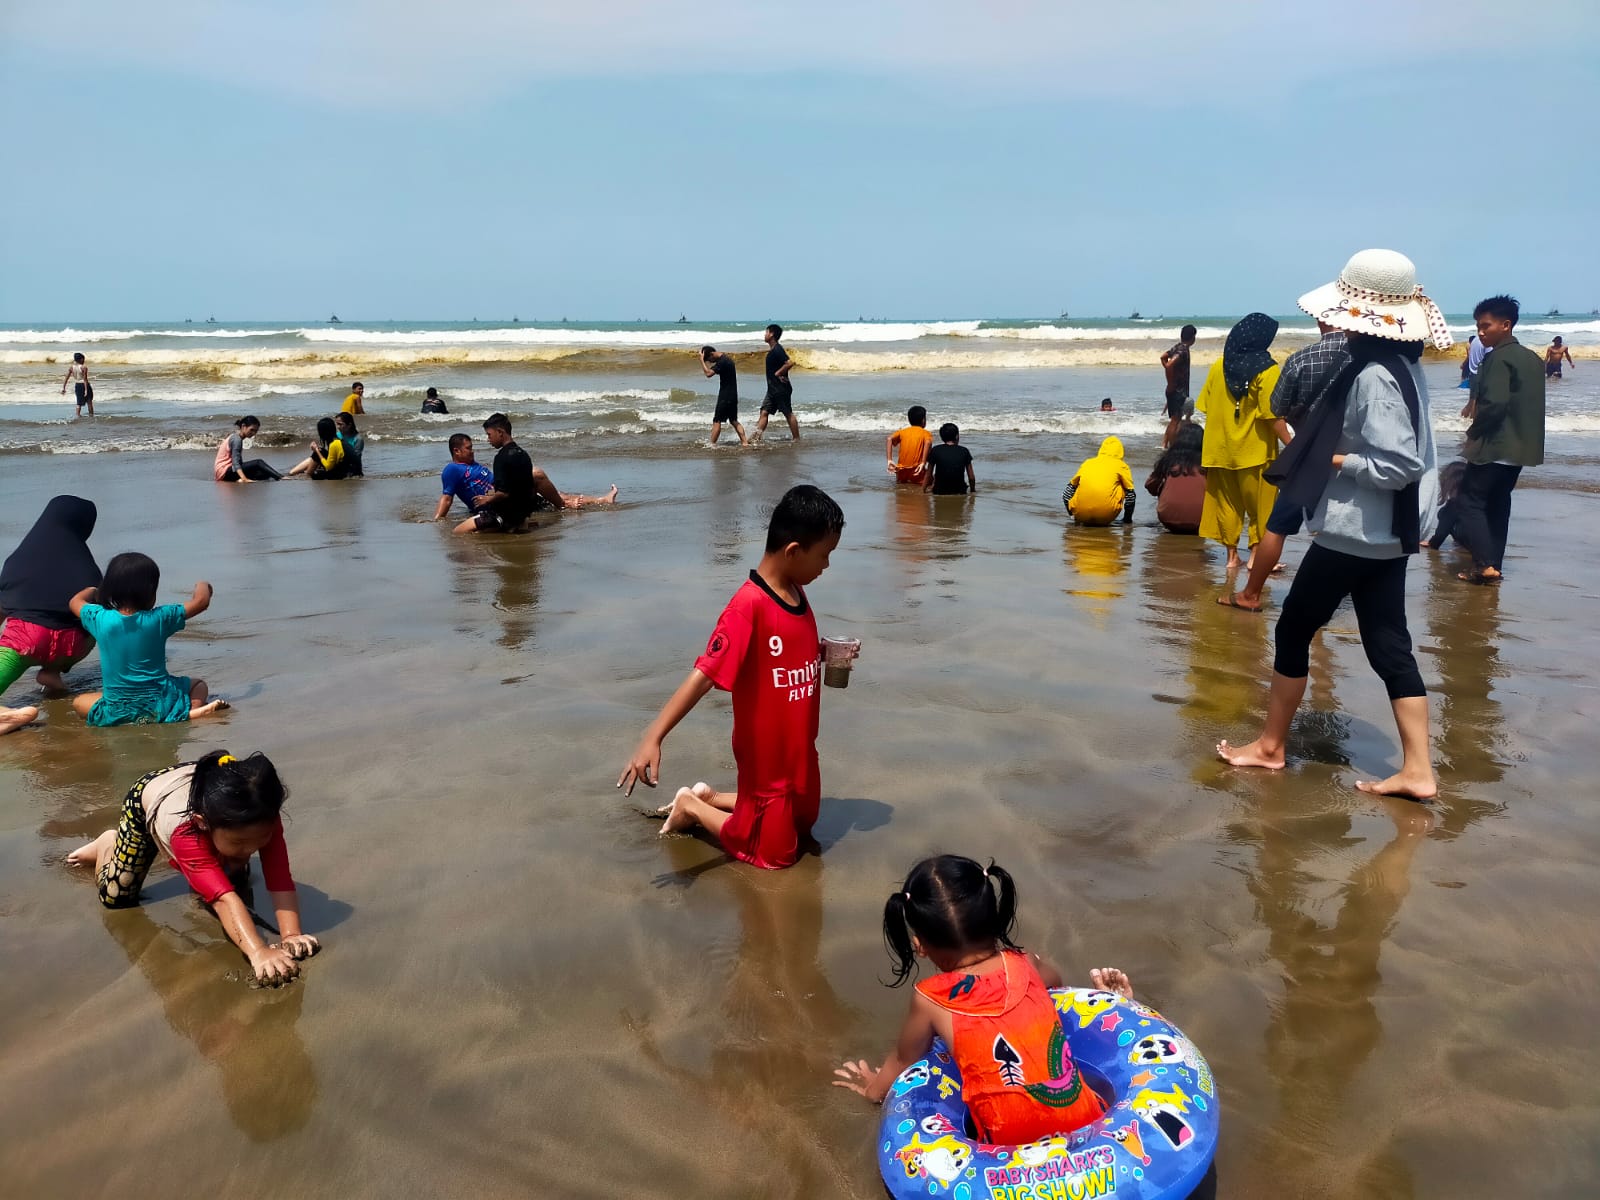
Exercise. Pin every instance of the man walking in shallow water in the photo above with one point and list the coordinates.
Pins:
(780, 392)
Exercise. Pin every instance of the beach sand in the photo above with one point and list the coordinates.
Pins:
(525, 992)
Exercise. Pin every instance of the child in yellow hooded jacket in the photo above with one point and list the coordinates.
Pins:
(1102, 487)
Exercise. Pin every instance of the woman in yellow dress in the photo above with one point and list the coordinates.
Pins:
(1240, 438)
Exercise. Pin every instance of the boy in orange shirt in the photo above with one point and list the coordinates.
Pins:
(914, 442)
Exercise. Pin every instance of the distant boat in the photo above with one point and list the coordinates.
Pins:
(682, 319)
(334, 320)
(1554, 312)
(516, 320)
(563, 320)
(188, 320)
(1134, 316)
(1594, 312)
(1064, 315)
(211, 320)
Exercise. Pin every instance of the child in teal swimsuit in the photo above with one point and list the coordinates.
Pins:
(133, 634)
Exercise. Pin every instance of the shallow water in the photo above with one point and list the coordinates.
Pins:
(525, 991)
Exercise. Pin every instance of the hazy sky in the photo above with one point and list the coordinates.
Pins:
(623, 158)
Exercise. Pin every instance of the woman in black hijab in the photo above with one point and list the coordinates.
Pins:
(52, 564)
(1240, 438)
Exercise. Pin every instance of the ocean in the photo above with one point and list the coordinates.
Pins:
(179, 387)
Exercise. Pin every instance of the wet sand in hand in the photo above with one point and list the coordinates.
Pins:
(524, 991)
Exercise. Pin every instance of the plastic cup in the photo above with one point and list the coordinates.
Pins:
(838, 654)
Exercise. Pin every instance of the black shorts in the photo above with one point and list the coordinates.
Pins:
(1286, 518)
(489, 520)
(727, 410)
(779, 401)
(84, 393)
(1177, 398)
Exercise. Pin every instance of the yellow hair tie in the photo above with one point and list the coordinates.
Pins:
(227, 758)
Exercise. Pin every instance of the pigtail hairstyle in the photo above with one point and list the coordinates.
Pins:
(951, 904)
(230, 793)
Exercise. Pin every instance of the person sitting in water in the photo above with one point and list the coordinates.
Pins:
(950, 465)
(1102, 487)
(1107, 406)
(1178, 481)
(231, 466)
(354, 444)
(353, 402)
(50, 565)
(989, 997)
(327, 454)
(520, 488)
(431, 402)
(464, 479)
(1553, 356)
(914, 442)
(133, 633)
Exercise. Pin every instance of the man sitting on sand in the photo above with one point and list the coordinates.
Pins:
(463, 478)
(520, 489)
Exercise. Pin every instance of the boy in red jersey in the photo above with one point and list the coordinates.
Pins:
(765, 651)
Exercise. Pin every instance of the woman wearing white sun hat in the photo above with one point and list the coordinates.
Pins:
(1365, 472)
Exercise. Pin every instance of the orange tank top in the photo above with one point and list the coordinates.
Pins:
(1017, 1075)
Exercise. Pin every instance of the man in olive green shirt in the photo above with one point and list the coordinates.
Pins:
(1506, 434)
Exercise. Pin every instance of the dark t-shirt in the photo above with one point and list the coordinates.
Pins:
(434, 405)
(727, 379)
(1178, 369)
(513, 476)
(776, 357)
(949, 462)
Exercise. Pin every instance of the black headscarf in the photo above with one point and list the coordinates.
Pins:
(1244, 354)
(51, 565)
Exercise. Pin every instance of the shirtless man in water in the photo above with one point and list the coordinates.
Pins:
(1552, 359)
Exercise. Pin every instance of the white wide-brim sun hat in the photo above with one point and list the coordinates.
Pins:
(1377, 294)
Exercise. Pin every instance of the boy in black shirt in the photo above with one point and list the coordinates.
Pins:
(520, 488)
(780, 392)
(951, 465)
(715, 363)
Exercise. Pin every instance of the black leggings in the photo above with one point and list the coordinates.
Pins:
(1377, 589)
(257, 469)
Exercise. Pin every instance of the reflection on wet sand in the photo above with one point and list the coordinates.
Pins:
(1470, 741)
(1324, 1025)
(502, 572)
(1097, 559)
(268, 1081)
(779, 1023)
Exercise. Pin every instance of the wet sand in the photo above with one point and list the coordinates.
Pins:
(525, 992)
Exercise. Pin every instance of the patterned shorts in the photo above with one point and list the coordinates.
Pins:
(123, 875)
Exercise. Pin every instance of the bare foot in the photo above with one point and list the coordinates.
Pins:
(15, 718)
(1233, 560)
(51, 681)
(211, 709)
(1250, 756)
(611, 496)
(1411, 787)
(679, 819)
(1243, 601)
(90, 853)
(1109, 979)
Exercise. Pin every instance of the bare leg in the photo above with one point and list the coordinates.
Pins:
(761, 427)
(470, 525)
(1415, 778)
(302, 468)
(689, 810)
(15, 718)
(94, 854)
(1233, 558)
(739, 429)
(198, 694)
(1262, 563)
(716, 431)
(1267, 750)
(704, 791)
(794, 427)
(83, 702)
(574, 500)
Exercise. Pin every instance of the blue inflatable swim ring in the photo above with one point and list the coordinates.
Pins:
(1155, 1142)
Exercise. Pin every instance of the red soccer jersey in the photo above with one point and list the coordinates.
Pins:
(764, 651)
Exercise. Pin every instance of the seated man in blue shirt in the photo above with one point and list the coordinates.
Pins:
(465, 479)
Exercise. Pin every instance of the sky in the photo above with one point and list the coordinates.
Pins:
(408, 159)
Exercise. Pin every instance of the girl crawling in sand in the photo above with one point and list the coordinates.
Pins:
(959, 915)
(208, 818)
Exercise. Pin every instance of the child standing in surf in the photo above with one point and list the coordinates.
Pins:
(82, 389)
(765, 651)
(990, 1004)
